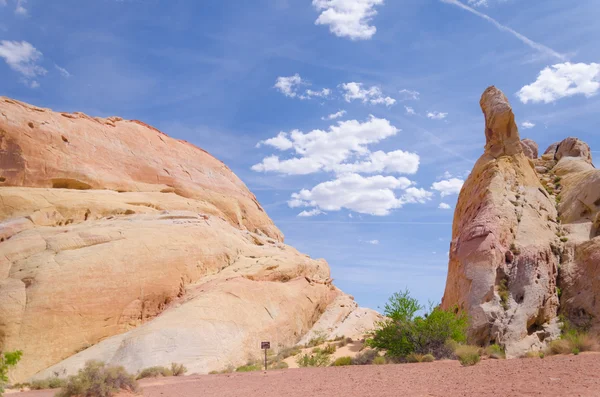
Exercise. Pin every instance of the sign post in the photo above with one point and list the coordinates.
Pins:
(266, 346)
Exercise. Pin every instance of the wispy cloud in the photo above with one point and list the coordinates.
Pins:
(64, 72)
(334, 116)
(22, 57)
(436, 115)
(536, 46)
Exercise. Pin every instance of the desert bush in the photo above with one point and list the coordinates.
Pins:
(319, 338)
(329, 349)
(342, 361)
(98, 380)
(404, 333)
(280, 365)
(379, 360)
(287, 352)
(415, 358)
(313, 360)
(428, 358)
(365, 357)
(582, 341)
(468, 355)
(178, 369)
(249, 367)
(559, 346)
(7, 361)
(154, 372)
(495, 351)
(575, 351)
(339, 338)
(48, 383)
(316, 350)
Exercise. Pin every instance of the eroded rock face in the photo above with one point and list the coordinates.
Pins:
(121, 244)
(502, 268)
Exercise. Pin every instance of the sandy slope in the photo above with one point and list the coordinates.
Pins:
(553, 376)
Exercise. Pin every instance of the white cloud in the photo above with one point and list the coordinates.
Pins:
(448, 187)
(328, 151)
(479, 3)
(334, 116)
(537, 46)
(562, 80)
(307, 214)
(288, 85)
(372, 242)
(64, 72)
(527, 124)
(373, 195)
(410, 111)
(348, 18)
(324, 93)
(22, 57)
(372, 95)
(436, 115)
(20, 9)
(280, 142)
(407, 95)
(444, 206)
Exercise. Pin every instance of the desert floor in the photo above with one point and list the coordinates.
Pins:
(553, 376)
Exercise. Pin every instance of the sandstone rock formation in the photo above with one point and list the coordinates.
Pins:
(120, 243)
(530, 148)
(524, 226)
(502, 268)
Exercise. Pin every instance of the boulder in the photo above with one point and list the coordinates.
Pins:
(530, 148)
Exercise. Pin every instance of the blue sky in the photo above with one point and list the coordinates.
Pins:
(374, 103)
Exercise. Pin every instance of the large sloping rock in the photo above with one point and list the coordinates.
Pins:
(502, 267)
(122, 244)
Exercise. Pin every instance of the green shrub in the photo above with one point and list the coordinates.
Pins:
(48, 383)
(504, 292)
(178, 369)
(404, 333)
(7, 361)
(98, 380)
(280, 365)
(559, 346)
(287, 352)
(415, 358)
(319, 338)
(316, 350)
(313, 360)
(428, 358)
(380, 360)
(468, 355)
(154, 372)
(329, 349)
(250, 367)
(365, 357)
(575, 351)
(342, 361)
(495, 351)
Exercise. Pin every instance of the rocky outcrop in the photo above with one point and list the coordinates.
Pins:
(530, 148)
(120, 243)
(502, 267)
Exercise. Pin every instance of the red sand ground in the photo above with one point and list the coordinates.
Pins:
(564, 376)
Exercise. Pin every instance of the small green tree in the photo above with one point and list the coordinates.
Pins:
(403, 333)
(7, 361)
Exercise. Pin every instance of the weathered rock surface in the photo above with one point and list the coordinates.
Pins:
(122, 244)
(502, 267)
